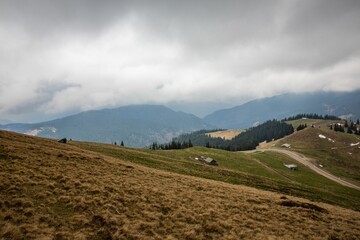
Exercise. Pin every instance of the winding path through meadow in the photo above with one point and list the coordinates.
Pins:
(307, 162)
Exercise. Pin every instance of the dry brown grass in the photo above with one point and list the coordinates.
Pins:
(226, 134)
(55, 191)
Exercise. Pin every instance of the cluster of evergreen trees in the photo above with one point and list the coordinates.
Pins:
(248, 140)
(351, 127)
(301, 127)
(337, 128)
(268, 131)
(172, 145)
(121, 144)
(312, 116)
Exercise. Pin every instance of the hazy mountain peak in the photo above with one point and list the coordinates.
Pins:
(136, 125)
(281, 106)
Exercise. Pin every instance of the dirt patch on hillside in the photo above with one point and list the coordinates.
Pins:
(311, 206)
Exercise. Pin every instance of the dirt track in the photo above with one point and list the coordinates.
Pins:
(306, 161)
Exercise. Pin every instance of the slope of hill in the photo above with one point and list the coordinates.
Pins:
(279, 107)
(135, 125)
(337, 152)
(54, 190)
(263, 170)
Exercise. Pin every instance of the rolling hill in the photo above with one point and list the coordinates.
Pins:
(137, 126)
(279, 107)
(98, 191)
(337, 152)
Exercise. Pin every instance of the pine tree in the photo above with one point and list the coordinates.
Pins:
(122, 143)
(301, 127)
(154, 146)
(352, 126)
(349, 130)
(342, 129)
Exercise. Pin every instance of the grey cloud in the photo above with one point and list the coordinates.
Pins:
(325, 31)
(44, 92)
(44, 17)
(211, 26)
(31, 109)
(130, 52)
(308, 34)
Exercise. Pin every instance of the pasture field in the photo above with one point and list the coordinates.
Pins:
(226, 134)
(337, 152)
(260, 170)
(309, 122)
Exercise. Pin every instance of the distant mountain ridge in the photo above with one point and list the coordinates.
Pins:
(141, 125)
(343, 104)
(137, 125)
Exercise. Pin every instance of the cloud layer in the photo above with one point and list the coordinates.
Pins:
(58, 57)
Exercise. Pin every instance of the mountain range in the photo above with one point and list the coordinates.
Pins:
(141, 125)
(137, 126)
(343, 104)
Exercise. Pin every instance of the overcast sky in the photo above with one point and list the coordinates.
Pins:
(60, 57)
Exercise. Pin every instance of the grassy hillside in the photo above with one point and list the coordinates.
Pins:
(310, 122)
(51, 190)
(261, 170)
(336, 155)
